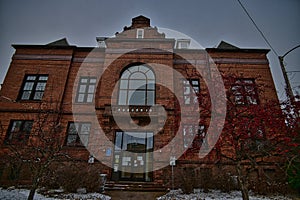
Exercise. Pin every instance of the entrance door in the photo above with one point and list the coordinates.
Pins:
(133, 156)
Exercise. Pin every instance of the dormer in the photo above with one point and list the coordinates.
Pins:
(140, 34)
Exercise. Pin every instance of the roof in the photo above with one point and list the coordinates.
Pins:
(226, 45)
(61, 42)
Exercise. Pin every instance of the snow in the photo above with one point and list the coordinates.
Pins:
(21, 194)
(215, 194)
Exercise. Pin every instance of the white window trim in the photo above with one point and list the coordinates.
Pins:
(137, 33)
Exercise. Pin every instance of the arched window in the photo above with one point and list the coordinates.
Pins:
(137, 86)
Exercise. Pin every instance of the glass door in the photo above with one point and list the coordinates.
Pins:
(133, 156)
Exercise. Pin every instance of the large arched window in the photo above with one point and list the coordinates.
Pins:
(137, 86)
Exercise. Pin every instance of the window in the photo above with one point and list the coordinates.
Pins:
(191, 89)
(86, 90)
(33, 87)
(140, 33)
(78, 133)
(183, 43)
(244, 91)
(137, 86)
(200, 138)
(256, 140)
(191, 133)
(18, 132)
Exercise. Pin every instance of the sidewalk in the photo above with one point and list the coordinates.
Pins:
(133, 195)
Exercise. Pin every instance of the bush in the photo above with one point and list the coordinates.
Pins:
(74, 176)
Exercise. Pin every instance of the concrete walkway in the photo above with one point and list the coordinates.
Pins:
(133, 195)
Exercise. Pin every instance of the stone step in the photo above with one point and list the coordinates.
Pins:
(129, 186)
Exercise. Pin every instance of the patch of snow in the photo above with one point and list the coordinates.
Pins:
(215, 194)
(22, 194)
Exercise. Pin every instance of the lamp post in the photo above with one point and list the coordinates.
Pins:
(289, 91)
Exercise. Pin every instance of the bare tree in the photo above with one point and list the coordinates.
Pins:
(42, 147)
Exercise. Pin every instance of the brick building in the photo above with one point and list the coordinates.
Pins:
(126, 75)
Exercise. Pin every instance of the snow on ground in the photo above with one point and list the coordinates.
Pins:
(215, 195)
(22, 194)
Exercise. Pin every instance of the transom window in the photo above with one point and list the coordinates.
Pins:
(33, 87)
(18, 132)
(244, 91)
(78, 133)
(191, 88)
(86, 90)
(137, 86)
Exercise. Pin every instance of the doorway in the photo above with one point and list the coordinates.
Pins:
(133, 156)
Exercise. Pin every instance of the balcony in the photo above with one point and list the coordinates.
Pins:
(134, 110)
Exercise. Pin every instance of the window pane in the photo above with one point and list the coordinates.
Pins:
(194, 82)
(187, 100)
(196, 90)
(91, 89)
(144, 69)
(26, 95)
(138, 75)
(72, 129)
(187, 90)
(122, 97)
(133, 69)
(150, 75)
(118, 141)
(151, 85)
(80, 98)
(90, 98)
(123, 84)
(149, 141)
(16, 126)
(43, 78)
(40, 86)
(248, 81)
(125, 74)
(82, 88)
(84, 80)
(38, 95)
(185, 82)
(27, 126)
(71, 139)
(150, 98)
(136, 97)
(93, 80)
(137, 84)
(249, 89)
(28, 86)
(32, 78)
(84, 139)
(85, 128)
(251, 100)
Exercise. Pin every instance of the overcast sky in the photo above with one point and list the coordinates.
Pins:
(206, 21)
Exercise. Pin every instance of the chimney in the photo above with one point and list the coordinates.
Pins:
(140, 22)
